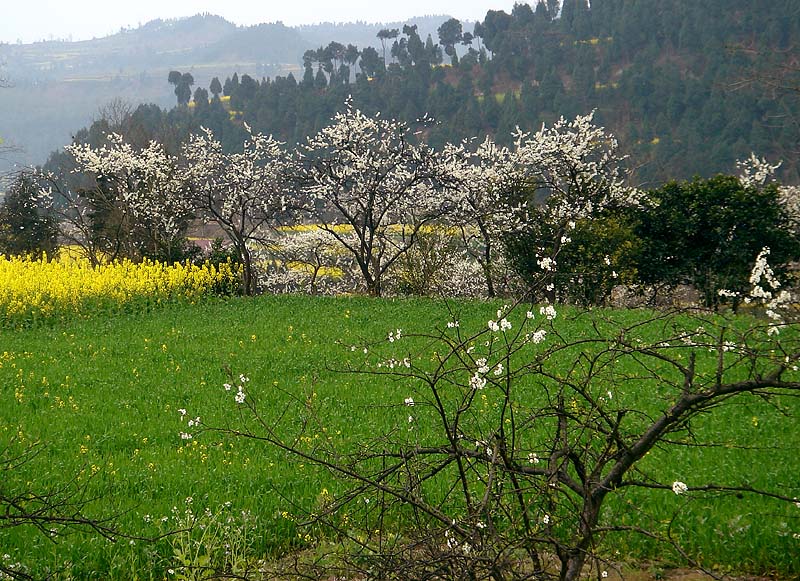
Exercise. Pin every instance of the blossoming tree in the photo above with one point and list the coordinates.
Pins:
(484, 208)
(136, 206)
(243, 193)
(571, 171)
(372, 188)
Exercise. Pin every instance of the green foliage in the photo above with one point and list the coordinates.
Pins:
(183, 86)
(599, 256)
(25, 227)
(709, 232)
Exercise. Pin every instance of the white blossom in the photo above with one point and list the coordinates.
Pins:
(546, 264)
(548, 311)
(755, 171)
(477, 382)
(538, 336)
(679, 487)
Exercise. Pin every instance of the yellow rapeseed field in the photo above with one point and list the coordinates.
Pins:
(37, 289)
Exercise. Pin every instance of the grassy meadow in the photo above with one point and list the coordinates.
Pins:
(99, 398)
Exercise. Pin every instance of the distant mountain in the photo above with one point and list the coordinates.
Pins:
(58, 86)
(686, 86)
(364, 34)
(200, 40)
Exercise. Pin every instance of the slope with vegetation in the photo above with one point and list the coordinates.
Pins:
(687, 87)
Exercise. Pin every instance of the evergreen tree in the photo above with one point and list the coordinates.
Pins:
(26, 228)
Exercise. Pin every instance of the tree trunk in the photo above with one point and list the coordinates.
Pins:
(248, 276)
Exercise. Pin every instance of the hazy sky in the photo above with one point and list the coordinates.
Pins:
(31, 20)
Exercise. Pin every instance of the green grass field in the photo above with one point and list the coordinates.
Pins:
(101, 398)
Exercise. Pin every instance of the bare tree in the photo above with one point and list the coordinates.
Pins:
(5, 147)
(534, 429)
(52, 511)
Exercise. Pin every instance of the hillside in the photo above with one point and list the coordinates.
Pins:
(56, 87)
(688, 87)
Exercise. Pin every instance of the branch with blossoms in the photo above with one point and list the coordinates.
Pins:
(515, 435)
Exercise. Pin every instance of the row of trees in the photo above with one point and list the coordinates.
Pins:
(663, 80)
(552, 216)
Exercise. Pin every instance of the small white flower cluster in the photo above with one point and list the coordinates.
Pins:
(501, 325)
(679, 487)
(536, 337)
(391, 363)
(395, 335)
(547, 264)
(477, 382)
(240, 394)
(191, 424)
(548, 311)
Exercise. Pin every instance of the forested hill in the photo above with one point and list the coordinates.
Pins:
(49, 89)
(688, 86)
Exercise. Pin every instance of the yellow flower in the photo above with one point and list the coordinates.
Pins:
(36, 289)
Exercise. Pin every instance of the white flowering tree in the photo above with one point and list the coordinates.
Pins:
(372, 188)
(136, 205)
(572, 171)
(757, 172)
(309, 260)
(243, 193)
(484, 205)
